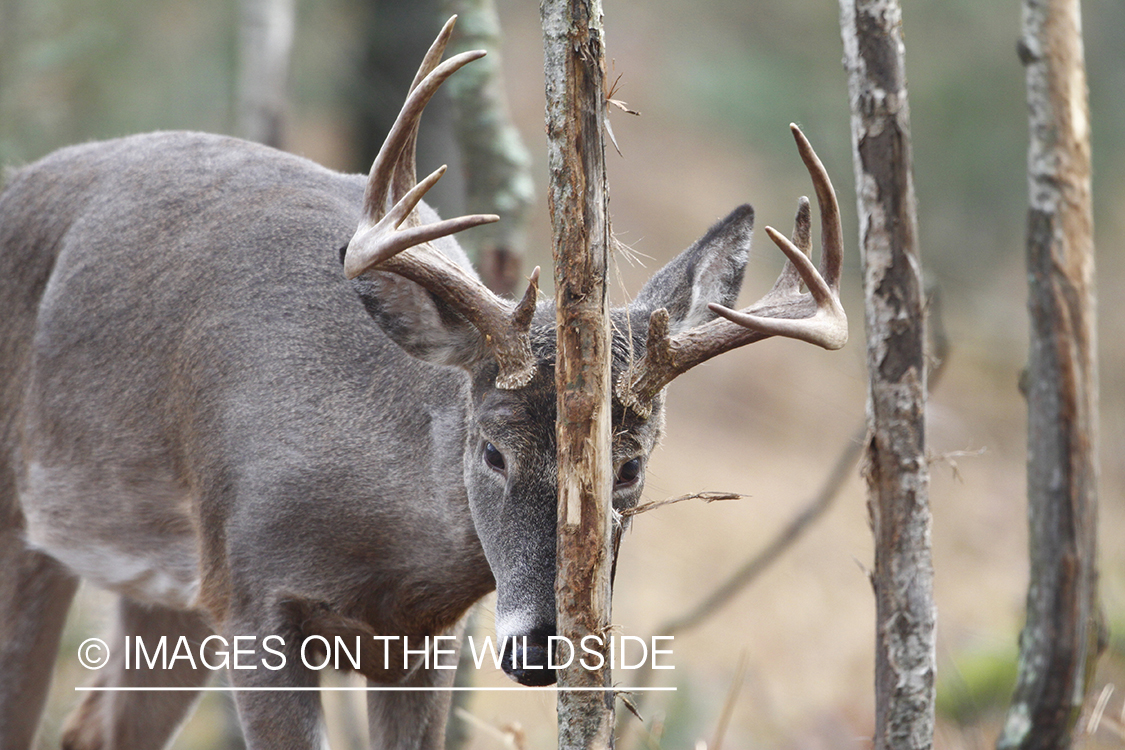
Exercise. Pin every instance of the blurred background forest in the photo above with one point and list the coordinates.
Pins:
(716, 82)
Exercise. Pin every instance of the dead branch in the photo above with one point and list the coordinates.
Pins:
(707, 497)
(728, 705)
(574, 52)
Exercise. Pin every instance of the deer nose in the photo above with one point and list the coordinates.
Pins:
(527, 657)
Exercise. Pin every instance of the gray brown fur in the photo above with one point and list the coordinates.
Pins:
(199, 413)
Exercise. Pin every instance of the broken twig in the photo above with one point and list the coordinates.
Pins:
(707, 497)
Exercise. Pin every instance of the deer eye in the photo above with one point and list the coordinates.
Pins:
(628, 473)
(494, 458)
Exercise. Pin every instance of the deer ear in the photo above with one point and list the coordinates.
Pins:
(708, 271)
(420, 323)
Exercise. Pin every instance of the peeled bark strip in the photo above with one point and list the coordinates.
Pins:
(896, 469)
(1060, 640)
(496, 163)
(577, 197)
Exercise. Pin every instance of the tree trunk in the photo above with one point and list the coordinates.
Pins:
(497, 165)
(1060, 640)
(896, 468)
(575, 74)
(394, 35)
(266, 38)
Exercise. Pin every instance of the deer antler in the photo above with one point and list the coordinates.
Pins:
(392, 237)
(815, 316)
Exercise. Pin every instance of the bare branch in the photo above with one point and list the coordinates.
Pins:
(728, 705)
(707, 497)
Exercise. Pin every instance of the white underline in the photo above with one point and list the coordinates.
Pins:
(380, 688)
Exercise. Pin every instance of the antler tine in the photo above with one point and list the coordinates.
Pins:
(390, 226)
(790, 278)
(434, 53)
(397, 152)
(525, 310)
(815, 316)
(831, 230)
(786, 312)
(375, 243)
(504, 326)
(405, 168)
(391, 195)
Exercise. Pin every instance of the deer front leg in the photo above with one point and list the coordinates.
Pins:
(279, 709)
(35, 594)
(140, 720)
(416, 719)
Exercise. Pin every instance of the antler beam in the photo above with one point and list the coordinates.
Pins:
(815, 316)
(392, 237)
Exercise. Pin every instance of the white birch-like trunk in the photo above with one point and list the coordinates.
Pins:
(896, 467)
(265, 41)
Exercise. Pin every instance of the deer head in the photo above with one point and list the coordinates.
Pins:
(683, 316)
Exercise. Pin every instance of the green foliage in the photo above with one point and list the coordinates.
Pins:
(72, 70)
(976, 683)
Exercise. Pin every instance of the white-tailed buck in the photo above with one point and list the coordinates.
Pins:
(222, 401)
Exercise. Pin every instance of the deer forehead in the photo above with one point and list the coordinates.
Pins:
(524, 418)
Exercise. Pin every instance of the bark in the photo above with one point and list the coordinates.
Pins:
(1060, 641)
(895, 467)
(496, 163)
(265, 39)
(577, 198)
